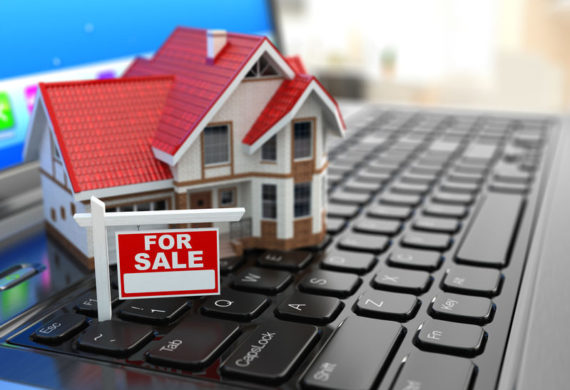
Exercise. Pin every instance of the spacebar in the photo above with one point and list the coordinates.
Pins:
(491, 234)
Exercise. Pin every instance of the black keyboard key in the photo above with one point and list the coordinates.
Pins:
(509, 188)
(353, 359)
(463, 188)
(410, 177)
(156, 310)
(512, 175)
(229, 264)
(364, 242)
(235, 305)
(431, 371)
(420, 169)
(342, 210)
(389, 227)
(452, 199)
(472, 280)
(434, 224)
(450, 337)
(114, 337)
(376, 176)
(335, 225)
(445, 211)
(361, 187)
(388, 305)
(59, 328)
(291, 260)
(309, 308)
(489, 238)
(462, 308)
(358, 263)
(330, 283)
(87, 304)
(271, 352)
(344, 197)
(401, 199)
(480, 152)
(470, 168)
(463, 177)
(194, 343)
(410, 258)
(402, 280)
(390, 212)
(431, 241)
(410, 188)
(262, 280)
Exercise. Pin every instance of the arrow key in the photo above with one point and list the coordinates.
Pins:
(309, 308)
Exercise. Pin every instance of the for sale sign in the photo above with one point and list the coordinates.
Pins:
(168, 263)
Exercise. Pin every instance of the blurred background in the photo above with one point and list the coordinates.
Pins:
(489, 54)
(499, 54)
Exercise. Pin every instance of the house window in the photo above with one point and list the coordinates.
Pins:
(142, 207)
(159, 205)
(303, 144)
(53, 214)
(269, 149)
(72, 208)
(54, 150)
(262, 68)
(269, 199)
(302, 199)
(216, 145)
(227, 197)
(62, 212)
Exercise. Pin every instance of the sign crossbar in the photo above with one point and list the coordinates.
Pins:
(98, 219)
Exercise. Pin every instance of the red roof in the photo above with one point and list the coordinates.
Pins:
(104, 129)
(198, 85)
(296, 63)
(280, 104)
(283, 101)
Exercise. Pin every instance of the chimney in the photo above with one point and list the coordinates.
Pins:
(215, 41)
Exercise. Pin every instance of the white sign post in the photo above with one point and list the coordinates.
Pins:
(99, 220)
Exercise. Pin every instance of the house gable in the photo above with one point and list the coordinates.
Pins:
(192, 134)
(102, 129)
(284, 105)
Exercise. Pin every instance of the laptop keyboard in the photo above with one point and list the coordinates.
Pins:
(429, 220)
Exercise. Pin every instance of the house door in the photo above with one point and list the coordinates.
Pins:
(201, 200)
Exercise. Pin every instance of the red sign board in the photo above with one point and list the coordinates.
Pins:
(168, 263)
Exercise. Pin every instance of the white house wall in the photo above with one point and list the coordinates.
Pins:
(189, 168)
(46, 163)
(312, 108)
(317, 202)
(242, 109)
(57, 198)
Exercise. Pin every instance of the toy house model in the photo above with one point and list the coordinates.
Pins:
(215, 119)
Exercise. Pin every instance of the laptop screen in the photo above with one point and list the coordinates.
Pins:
(60, 40)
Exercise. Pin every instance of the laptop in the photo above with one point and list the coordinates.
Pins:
(444, 266)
